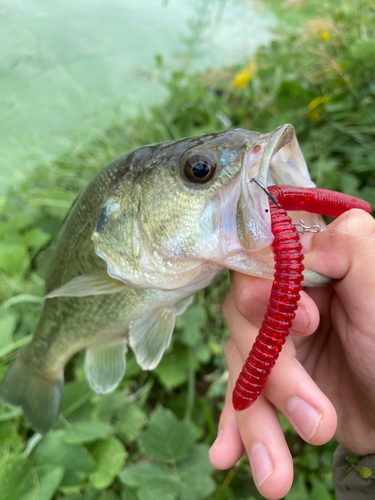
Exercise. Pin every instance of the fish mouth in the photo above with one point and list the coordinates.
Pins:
(276, 159)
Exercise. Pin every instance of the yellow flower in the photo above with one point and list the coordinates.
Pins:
(316, 111)
(242, 78)
(314, 115)
(318, 100)
(325, 35)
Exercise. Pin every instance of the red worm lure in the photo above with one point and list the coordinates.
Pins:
(288, 277)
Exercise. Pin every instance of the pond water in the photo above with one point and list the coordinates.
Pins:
(64, 65)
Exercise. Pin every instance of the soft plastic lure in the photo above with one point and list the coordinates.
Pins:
(287, 281)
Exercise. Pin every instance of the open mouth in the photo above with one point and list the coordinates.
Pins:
(275, 160)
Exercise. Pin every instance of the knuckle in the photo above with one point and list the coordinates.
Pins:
(252, 298)
(357, 221)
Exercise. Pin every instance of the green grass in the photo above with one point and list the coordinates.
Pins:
(321, 81)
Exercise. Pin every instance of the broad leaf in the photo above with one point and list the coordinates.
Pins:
(319, 490)
(167, 439)
(191, 323)
(86, 432)
(45, 481)
(190, 480)
(74, 458)
(298, 490)
(109, 455)
(173, 369)
(130, 421)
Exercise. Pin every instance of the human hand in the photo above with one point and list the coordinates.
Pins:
(326, 367)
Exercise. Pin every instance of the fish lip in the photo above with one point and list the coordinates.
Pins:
(257, 163)
(280, 137)
(275, 141)
(274, 159)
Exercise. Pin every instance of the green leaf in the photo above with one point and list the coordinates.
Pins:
(353, 459)
(46, 480)
(107, 495)
(35, 239)
(85, 432)
(173, 369)
(15, 477)
(167, 439)
(365, 472)
(74, 458)
(348, 471)
(319, 490)
(75, 395)
(110, 456)
(131, 421)
(195, 474)
(106, 406)
(7, 327)
(20, 481)
(190, 480)
(153, 482)
(363, 50)
(298, 490)
(14, 258)
(191, 323)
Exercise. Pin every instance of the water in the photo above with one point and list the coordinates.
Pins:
(64, 65)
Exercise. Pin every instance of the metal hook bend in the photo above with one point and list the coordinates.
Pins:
(265, 190)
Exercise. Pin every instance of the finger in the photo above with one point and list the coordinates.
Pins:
(251, 296)
(259, 426)
(346, 250)
(289, 387)
(228, 447)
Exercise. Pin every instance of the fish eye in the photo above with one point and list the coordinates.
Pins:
(199, 169)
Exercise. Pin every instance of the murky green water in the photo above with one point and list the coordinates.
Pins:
(65, 65)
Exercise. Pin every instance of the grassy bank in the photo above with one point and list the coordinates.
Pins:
(321, 81)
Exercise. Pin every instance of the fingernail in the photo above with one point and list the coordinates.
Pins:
(217, 440)
(305, 418)
(301, 322)
(261, 463)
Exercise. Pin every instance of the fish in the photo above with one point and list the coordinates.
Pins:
(151, 229)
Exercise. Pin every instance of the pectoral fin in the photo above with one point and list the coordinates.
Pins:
(149, 337)
(99, 283)
(105, 366)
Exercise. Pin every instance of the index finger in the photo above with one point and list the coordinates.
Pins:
(345, 251)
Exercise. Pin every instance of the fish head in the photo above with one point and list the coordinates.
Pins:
(185, 210)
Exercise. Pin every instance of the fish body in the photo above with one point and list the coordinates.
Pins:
(151, 229)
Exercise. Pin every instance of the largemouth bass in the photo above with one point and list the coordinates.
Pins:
(152, 228)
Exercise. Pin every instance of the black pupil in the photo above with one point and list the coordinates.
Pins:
(200, 170)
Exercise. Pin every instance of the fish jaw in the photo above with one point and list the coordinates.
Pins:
(275, 159)
(199, 231)
(278, 161)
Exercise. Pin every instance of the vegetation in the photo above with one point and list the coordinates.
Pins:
(149, 439)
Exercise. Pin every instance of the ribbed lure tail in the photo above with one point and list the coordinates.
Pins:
(287, 282)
